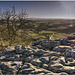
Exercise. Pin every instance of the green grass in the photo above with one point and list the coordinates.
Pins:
(47, 32)
(39, 31)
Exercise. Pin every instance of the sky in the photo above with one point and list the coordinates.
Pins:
(43, 9)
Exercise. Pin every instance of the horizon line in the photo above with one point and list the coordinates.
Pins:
(48, 18)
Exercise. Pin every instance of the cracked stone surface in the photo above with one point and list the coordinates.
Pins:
(43, 57)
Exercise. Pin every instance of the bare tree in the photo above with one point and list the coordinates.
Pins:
(14, 21)
(6, 15)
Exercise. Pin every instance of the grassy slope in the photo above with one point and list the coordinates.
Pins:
(40, 30)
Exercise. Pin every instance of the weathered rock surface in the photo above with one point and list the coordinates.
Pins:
(52, 57)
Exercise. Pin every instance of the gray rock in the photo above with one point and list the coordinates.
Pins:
(45, 66)
(23, 47)
(35, 63)
(27, 53)
(4, 51)
(43, 60)
(56, 68)
(19, 50)
(62, 62)
(68, 53)
(73, 53)
(68, 70)
(25, 72)
(7, 56)
(39, 53)
(51, 44)
(29, 59)
(37, 43)
(18, 47)
(70, 59)
(63, 73)
(8, 50)
(16, 63)
(61, 49)
(63, 41)
(54, 58)
(50, 63)
(1, 54)
(47, 44)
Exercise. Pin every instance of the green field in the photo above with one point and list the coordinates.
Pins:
(39, 29)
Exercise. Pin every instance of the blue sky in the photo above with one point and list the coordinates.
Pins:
(43, 9)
